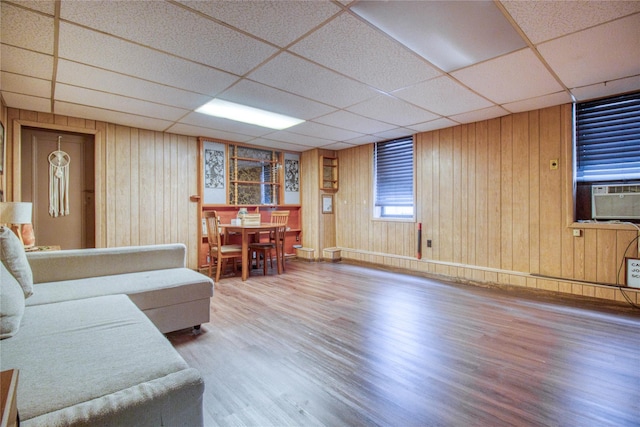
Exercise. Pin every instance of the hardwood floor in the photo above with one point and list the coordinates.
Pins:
(342, 345)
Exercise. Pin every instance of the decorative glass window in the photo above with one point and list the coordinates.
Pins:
(253, 176)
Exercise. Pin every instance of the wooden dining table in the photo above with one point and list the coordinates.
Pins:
(253, 231)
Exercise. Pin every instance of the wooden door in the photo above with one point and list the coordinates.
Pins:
(77, 229)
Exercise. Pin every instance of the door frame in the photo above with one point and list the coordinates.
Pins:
(16, 143)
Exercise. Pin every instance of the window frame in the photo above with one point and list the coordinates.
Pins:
(378, 208)
(604, 135)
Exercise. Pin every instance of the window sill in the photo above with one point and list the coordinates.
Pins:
(385, 219)
(605, 225)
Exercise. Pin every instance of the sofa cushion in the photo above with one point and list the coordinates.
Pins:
(74, 264)
(11, 304)
(148, 289)
(14, 258)
(74, 352)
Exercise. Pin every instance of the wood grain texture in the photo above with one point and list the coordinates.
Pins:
(487, 198)
(143, 180)
(331, 344)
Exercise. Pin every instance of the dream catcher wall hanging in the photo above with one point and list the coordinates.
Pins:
(59, 182)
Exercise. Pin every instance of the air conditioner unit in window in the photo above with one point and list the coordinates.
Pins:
(615, 201)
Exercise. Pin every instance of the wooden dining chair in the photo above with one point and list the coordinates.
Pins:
(264, 248)
(217, 250)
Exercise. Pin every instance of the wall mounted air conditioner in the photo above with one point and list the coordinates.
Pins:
(615, 201)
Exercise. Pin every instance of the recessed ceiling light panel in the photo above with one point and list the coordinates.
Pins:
(245, 114)
(449, 34)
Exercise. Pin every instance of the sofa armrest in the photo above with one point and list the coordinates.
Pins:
(74, 264)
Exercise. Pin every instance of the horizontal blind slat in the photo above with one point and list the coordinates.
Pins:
(608, 139)
(394, 173)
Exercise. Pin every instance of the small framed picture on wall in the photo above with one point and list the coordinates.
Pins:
(327, 203)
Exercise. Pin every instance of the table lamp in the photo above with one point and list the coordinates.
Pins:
(15, 214)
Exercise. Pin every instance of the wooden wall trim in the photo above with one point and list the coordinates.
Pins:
(16, 142)
(464, 273)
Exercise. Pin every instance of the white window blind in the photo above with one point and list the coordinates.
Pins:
(608, 139)
(393, 164)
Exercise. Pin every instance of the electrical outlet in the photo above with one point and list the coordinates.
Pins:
(428, 243)
(577, 232)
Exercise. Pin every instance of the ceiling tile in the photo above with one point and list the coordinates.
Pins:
(102, 51)
(26, 85)
(546, 20)
(539, 102)
(449, 34)
(589, 56)
(27, 102)
(393, 134)
(350, 121)
(267, 98)
(279, 145)
(392, 110)
(107, 101)
(443, 96)
(219, 134)
(514, 77)
(296, 138)
(279, 22)
(81, 75)
(184, 129)
(297, 75)
(44, 6)
(358, 50)
(198, 38)
(110, 116)
(365, 139)
(282, 144)
(322, 131)
(222, 135)
(433, 125)
(479, 115)
(25, 62)
(338, 146)
(25, 29)
(600, 90)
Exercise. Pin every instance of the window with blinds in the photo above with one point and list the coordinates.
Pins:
(608, 139)
(393, 169)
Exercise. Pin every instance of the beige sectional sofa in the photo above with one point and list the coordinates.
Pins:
(155, 278)
(87, 339)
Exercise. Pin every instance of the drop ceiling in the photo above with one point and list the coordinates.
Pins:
(356, 72)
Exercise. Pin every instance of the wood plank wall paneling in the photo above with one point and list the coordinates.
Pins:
(150, 177)
(490, 202)
(143, 181)
(520, 193)
(318, 229)
(310, 199)
(551, 220)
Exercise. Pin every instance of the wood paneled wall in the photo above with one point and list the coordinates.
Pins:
(318, 229)
(143, 181)
(492, 205)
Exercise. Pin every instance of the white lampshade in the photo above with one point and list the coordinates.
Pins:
(15, 212)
